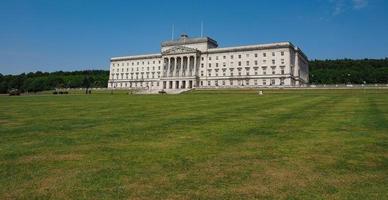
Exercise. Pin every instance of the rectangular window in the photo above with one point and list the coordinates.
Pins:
(264, 70)
(264, 54)
(282, 53)
(281, 81)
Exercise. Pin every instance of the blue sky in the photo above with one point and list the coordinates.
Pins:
(52, 35)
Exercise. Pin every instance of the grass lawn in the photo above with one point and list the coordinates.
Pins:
(227, 144)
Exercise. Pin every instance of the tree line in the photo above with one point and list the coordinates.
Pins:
(343, 71)
(40, 81)
(348, 71)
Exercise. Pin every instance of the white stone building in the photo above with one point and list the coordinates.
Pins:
(198, 63)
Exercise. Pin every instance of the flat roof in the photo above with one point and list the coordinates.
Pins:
(186, 40)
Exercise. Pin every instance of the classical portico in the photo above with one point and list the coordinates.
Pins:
(180, 68)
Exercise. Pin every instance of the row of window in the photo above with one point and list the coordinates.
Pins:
(135, 63)
(247, 71)
(135, 76)
(246, 55)
(217, 72)
(247, 63)
(136, 84)
(242, 82)
(215, 83)
(239, 63)
(137, 69)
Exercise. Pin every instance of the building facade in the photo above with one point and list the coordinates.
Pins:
(199, 63)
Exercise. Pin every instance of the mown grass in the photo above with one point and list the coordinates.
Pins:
(226, 144)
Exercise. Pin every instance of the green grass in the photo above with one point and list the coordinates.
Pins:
(227, 144)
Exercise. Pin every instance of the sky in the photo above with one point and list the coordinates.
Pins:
(53, 35)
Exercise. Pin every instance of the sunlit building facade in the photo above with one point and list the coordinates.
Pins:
(188, 63)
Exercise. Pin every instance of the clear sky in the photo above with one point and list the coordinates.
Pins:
(52, 35)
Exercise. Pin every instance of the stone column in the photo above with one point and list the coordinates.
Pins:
(175, 65)
(195, 65)
(189, 66)
(165, 67)
(181, 72)
(195, 71)
(179, 67)
(168, 66)
(171, 67)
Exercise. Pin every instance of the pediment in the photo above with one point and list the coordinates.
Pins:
(179, 50)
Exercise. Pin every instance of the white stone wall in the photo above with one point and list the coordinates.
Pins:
(246, 68)
(135, 72)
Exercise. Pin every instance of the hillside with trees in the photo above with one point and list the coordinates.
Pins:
(344, 71)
